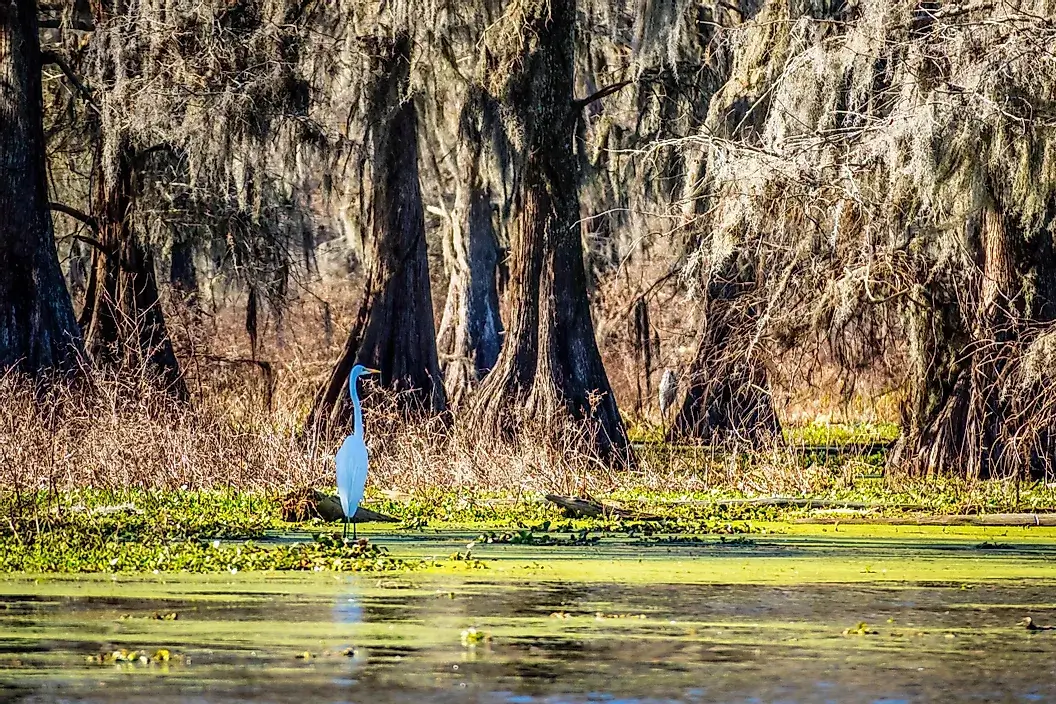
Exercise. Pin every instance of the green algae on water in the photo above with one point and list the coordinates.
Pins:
(62, 552)
(227, 531)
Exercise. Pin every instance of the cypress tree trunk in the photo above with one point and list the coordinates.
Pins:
(550, 368)
(122, 317)
(394, 331)
(957, 420)
(38, 329)
(728, 400)
(471, 329)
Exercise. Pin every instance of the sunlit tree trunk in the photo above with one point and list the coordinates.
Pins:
(471, 329)
(38, 330)
(550, 368)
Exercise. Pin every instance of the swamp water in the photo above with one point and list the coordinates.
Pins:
(776, 618)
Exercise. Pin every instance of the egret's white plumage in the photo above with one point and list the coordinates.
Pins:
(352, 457)
(351, 473)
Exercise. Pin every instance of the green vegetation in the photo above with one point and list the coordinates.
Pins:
(817, 432)
(136, 531)
(68, 551)
(824, 433)
(232, 531)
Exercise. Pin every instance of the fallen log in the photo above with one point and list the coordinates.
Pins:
(306, 504)
(591, 508)
(365, 515)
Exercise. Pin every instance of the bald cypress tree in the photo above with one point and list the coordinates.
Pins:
(122, 317)
(889, 167)
(471, 329)
(192, 140)
(394, 330)
(727, 399)
(549, 368)
(38, 331)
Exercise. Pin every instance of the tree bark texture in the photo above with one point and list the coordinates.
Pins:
(122, 319)
(959, 421)
(394, 331)
(728, 398)
(549, 368)
(38, 329)
(471, 331)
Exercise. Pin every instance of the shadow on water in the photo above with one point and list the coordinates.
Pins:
(536, 641)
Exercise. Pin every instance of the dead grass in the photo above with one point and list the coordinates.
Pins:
(242, 428)
(115, 432)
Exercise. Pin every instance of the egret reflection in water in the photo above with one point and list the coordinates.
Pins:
(347, 609)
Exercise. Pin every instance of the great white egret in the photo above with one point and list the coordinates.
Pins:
(352, 457)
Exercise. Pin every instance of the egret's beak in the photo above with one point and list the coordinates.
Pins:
(372, 371)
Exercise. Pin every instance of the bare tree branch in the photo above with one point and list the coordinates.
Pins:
(51, 57)
(603, 93)
(76, 215)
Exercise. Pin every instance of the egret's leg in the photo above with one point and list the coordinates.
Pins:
(353, 531)
(344, 528)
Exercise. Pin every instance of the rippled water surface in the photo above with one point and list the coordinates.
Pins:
(769, 621)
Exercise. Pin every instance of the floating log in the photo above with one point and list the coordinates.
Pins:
(576, 507)
(365, 515)
(306, 504)
(592, 508)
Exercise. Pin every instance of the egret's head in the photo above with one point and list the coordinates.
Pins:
(358, 371)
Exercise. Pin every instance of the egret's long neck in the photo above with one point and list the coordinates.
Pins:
(357, 410)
